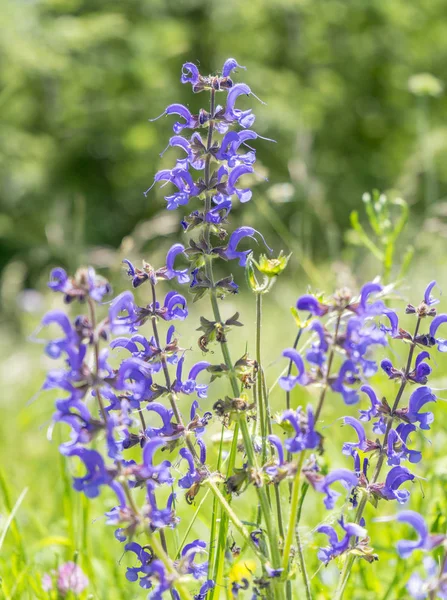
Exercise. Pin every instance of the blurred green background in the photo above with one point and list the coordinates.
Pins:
(355, 101)
(79, 81)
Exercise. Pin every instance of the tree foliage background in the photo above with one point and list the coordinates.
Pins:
(79, 80)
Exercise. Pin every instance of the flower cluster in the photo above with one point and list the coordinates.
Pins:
(134, 402)
(341, 357)
(111, 407)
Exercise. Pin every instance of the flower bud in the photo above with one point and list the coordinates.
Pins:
(272, 267)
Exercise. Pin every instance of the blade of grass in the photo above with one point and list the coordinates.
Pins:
(10, 522)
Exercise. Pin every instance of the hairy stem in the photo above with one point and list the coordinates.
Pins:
(262, 495)
(92, 313)
(164, 364)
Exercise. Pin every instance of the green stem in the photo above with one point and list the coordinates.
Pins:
(294, 504)
(261, 399)
(243, 531)
(263, 407)
(263, 499)
(164, 364)
(301, 561)
(224, 521)
(349, 562)
(273, 542)
(92, 312)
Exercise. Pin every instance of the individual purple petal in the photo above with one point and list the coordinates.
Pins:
(312, 305)
(349, 448)
(166, 416)
(348, 371)
(407, 547)
(96, 475)
(392, 317)
(181, 275)
(206, 587)
(174, 307)
(337, 547)
(202, 447)
(428, 298)
(403, 430)
(244, 118)
(395, 478)
(418, 399)
(288, 382)
(317, 354)
(275, 441)
(244, 195)
(347, 478)
(58, 280)
(367, 415)
(182, 111)
(376, 308)
(192, 476)
(190, 73)
(434, 326)
(124, 302)
(305, 436)
(229, 65)
(231, 252)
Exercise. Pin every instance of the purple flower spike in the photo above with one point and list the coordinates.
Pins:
(181, 275)
(424, 541)
(434, 326)
(190, 73)
(288, 382)
(231, 252)
(229, 65)
(418, 399)
(347, 478)
(428, 298)
(350, 448)
(311, 304)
